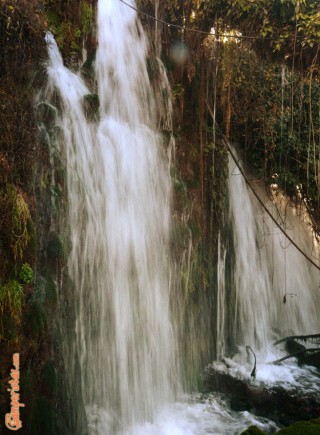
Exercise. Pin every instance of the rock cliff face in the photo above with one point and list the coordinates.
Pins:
(22, 47)
(30, 259)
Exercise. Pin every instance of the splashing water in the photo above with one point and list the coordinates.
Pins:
(201, 415)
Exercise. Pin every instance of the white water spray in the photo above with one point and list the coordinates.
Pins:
(119, 191)
(275, 289)
(221, 301)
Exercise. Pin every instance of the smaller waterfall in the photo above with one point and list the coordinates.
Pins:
(274, 290)
(221, 301)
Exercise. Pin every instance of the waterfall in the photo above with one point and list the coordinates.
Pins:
(121, 352)
(221, 301)
(273, 290)
(118, 193)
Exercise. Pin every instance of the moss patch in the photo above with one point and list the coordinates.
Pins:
(311, 427)
(253, 430)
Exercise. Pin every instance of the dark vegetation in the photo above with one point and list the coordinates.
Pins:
(264, 90)
(311, 427)
(29, 257)
(21, 32)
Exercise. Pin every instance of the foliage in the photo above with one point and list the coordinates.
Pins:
(11, 299)
(279, 19)
(87, 17)
(265, 89)
(311, 427)
(21, 31)
(26, 273)
(275, 118)
(22, 48)
(253, 430)
(20, 219)
(178, 91)
(22, 318)
(55, 248)
(15, 226)
(70, 22)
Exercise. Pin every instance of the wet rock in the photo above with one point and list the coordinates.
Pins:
(91, 106)
(277, 403)
(294, 347)
(47, 113)
(302, 427)
(311, 427)
(253, 430)
(310, 359)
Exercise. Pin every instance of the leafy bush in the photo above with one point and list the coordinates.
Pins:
(26, 273)
(11, 299)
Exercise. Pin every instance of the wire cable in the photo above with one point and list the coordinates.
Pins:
(189, 29)
(266, 209)
(203, 32)
(234, 158)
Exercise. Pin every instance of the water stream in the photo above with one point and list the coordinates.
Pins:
(119, 190)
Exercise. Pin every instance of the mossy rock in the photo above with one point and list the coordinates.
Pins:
(53, 17)
(11, 330)
(39, 292)
(51, 290)
(44, 137)
(253, 430)
(55, 247)
(87, 67)
(180, 186)
(43, 421)
(91, 106)
(180, 233)
(195, 229)
(49, 377)
(28, 383)
(47, 113)
(311, 427)
(35, 320)
(293, 347)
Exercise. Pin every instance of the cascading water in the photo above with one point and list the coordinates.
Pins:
(267, 290)
(119, 191)
(221, 301)
(275, 290)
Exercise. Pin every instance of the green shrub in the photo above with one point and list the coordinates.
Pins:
(26, 273)
(11, 298)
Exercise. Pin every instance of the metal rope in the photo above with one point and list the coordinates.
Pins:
(203, 32)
